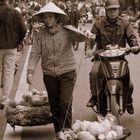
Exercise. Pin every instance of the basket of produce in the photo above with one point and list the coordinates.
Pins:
(32, 110)
(103, 129)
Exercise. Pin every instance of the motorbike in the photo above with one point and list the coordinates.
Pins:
(111, 95)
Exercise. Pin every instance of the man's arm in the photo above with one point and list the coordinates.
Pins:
(92, 36)
(130, 35)
(21, 28)
(131, 38)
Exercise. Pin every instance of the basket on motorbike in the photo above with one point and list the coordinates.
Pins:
(32, 110)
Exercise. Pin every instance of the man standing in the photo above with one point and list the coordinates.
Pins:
(111, 30)
(72, 13)
(74, 17)
(12, 33)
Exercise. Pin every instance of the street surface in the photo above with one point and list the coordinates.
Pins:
(81, 96)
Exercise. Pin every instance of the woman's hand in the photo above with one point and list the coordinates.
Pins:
(29, 78)
(89, 34)
(89, 53)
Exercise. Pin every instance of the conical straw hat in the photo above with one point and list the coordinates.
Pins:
(81, 36)
(50, 8)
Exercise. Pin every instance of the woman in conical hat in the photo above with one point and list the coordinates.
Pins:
(53, 45)
(62, 16)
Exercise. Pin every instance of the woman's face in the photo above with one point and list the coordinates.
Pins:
(49, 19)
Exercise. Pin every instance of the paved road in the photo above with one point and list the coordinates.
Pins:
(81, 96)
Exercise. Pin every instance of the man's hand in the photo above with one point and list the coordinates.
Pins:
(29, 78)
(135, 49)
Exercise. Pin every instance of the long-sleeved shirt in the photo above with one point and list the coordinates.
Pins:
(55, 51)
(120, 33)
(12, 27)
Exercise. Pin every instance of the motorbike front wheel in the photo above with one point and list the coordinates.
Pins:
(115, 108)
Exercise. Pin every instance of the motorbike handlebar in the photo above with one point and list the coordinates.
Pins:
(117, 52)
(135, 50)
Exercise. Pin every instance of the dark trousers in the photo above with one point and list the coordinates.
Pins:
(97, 80)
(60, 94)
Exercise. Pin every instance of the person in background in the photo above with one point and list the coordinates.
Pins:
(83, 10)
(12, 30)
(111, 30)
(102, 13)
(15, 5)
(130, 11)
(53, 44)
(93, 9)
(138, 23)
(75, 8)
(74, 15)
(61, 5)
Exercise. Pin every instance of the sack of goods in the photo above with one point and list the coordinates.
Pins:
(104, 128)
(32, 110)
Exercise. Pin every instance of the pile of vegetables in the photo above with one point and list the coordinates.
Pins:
(104, 128)
(32, 109)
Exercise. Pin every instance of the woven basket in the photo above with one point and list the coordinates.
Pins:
(28, 115)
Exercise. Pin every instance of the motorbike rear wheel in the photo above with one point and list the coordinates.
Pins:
(115, 108)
